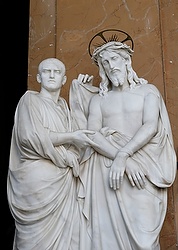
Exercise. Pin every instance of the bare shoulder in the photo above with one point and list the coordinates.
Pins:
(96, 99)
(95, 104)
(146, 89)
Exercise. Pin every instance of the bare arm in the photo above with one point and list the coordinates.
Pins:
(144, 134)
(103, 146)
(149, 128)
(78, 138)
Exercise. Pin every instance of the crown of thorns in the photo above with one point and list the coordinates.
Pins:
(107, 36)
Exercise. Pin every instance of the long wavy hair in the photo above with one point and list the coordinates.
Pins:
(125, 52)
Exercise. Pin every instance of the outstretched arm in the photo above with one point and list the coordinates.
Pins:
(78, 138)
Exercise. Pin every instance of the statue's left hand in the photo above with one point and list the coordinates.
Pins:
(72, 161)
(135, 175)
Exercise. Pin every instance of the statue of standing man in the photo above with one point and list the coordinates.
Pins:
(125, 179)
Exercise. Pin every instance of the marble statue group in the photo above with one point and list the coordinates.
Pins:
(93, 175)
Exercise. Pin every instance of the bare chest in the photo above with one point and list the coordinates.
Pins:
(122, 111)
(122, 102)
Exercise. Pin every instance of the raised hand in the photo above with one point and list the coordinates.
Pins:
(85, 78)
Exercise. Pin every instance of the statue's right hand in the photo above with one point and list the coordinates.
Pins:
(85, 78)
(80, 138)
(117, 170)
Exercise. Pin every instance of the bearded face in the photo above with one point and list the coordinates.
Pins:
(114, 66)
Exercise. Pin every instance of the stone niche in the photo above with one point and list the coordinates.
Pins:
(63, 29)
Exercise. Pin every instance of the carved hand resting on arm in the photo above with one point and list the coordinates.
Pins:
(123, 163)
(77, 138)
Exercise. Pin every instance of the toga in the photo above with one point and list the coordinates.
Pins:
(41, 188)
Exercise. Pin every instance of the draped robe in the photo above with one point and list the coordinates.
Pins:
(41, 188)
(127, 218)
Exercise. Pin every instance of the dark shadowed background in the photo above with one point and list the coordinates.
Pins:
(14, 48)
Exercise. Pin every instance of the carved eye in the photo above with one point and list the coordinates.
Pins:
(105, 63)
(46, 71)
(114, 58)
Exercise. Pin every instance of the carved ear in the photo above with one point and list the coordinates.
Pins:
(64, 80)
(38, 78)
